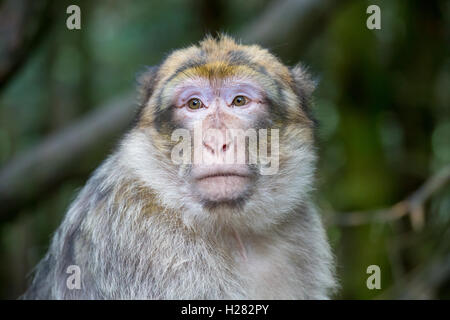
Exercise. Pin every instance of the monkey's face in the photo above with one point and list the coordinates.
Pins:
(215, 113)
(227, 123)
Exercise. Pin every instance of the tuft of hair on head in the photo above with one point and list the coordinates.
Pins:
(221, 38)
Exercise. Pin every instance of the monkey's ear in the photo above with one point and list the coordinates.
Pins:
(304, 84)
(146, 81)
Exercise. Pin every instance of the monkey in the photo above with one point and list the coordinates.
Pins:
(148, 227)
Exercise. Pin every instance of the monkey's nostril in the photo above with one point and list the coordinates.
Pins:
(213, 148)
(208, 147)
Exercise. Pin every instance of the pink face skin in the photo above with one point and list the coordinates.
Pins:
(213, 179)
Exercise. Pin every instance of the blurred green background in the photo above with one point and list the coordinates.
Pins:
(382, 102)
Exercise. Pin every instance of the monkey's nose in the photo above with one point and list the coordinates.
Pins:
(216, 148)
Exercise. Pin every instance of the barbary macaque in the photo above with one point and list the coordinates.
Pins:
(207, 196)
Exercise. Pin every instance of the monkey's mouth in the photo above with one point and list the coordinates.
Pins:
(220, 171)
(217, 184)
(222, 174)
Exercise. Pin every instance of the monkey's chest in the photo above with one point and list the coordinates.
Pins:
(268, 275)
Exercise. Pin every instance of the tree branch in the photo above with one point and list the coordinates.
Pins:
(18, 41)
(413, 205)
(60, 156)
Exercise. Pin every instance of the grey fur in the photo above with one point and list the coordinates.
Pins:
(123, 255)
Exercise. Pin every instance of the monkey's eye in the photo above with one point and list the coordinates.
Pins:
(240, 101)
(194, 103)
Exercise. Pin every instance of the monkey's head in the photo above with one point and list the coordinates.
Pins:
(224, 133)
